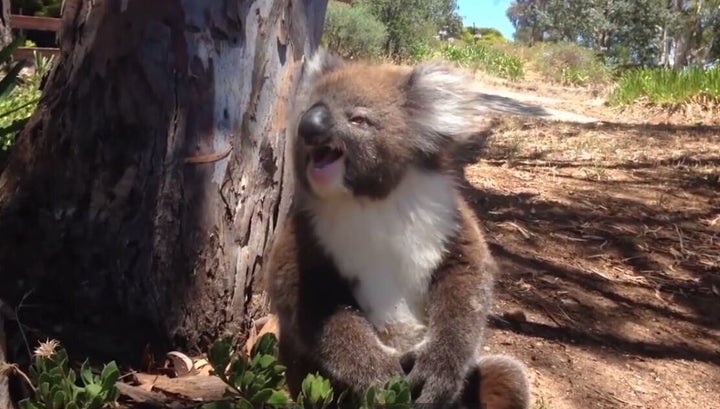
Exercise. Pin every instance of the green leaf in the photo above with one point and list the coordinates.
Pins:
(261, 396)
(44, 389)
(59, 400)
(109, 375)
(246, 380)
(264, 361)
(71, 377)
(28, 404)
(265, 345)
(61, 358)
(370, 396)
(237, 369)
(404, 396)
(96, 402)
(278, 398)
(316, 390)
(113, 395)
(219, 356)
(93, 390)
(56, 373)
(86, 374)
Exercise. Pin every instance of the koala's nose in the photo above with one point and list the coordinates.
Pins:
(315, 125)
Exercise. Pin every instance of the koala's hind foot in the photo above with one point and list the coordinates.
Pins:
(500, 382)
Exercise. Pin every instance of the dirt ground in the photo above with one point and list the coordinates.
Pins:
(609, 235)
(607, 226)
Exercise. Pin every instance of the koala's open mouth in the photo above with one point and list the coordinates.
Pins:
(324, 156)
(325, 166)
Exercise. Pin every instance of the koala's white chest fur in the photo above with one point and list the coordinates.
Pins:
(390, 248)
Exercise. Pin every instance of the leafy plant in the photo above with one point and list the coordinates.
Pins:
(259, 381)
(316, 392)
(394, 395)
(251, 383)
(56, 386)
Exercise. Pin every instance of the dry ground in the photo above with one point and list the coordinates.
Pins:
(609, 235)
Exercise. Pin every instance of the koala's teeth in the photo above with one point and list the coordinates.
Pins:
(325, 155)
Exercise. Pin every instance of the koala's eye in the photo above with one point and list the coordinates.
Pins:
(358, 120)
(359, 117)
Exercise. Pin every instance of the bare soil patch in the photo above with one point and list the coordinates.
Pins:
(609, 235)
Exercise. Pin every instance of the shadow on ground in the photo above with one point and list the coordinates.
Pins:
(592, 264)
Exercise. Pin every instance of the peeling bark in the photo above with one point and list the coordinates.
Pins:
(145, 190)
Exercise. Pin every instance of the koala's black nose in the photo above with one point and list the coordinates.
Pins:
(315, 125)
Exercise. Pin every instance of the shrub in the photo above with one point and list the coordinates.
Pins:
(668, 87)
(353, 31)
(569, 64)
(409, 23)
(56, 385)
(490, 37)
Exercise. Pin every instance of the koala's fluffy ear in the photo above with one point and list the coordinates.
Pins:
(444, 103)
(320, 63)
(314, 67)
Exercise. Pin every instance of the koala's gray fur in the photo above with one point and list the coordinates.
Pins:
(381, 269)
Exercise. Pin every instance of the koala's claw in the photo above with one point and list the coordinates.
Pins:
(429, 388)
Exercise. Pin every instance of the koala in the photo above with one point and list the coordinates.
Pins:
(381, 269)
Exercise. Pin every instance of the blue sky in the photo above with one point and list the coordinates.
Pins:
(487, 13)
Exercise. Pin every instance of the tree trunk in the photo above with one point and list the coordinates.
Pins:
(5, 29)
(143, 194)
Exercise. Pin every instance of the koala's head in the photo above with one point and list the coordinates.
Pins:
(362, 126)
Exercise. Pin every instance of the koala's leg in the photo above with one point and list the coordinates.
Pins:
(497, 382)
(345, 348)
(297, 365)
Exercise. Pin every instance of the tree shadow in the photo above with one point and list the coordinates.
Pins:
(600, 270)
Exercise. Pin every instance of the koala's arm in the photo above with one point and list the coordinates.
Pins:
(459, 302)
(318, 319)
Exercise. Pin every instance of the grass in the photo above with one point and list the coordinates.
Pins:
(668, 88)
(488, 59)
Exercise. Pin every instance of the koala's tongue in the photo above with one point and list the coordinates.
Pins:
(326, 165)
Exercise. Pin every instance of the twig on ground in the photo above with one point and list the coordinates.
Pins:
(682, 244)
(20, 324)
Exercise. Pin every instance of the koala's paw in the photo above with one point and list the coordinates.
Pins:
(504, 383)
(366, 372)
(434, 381)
